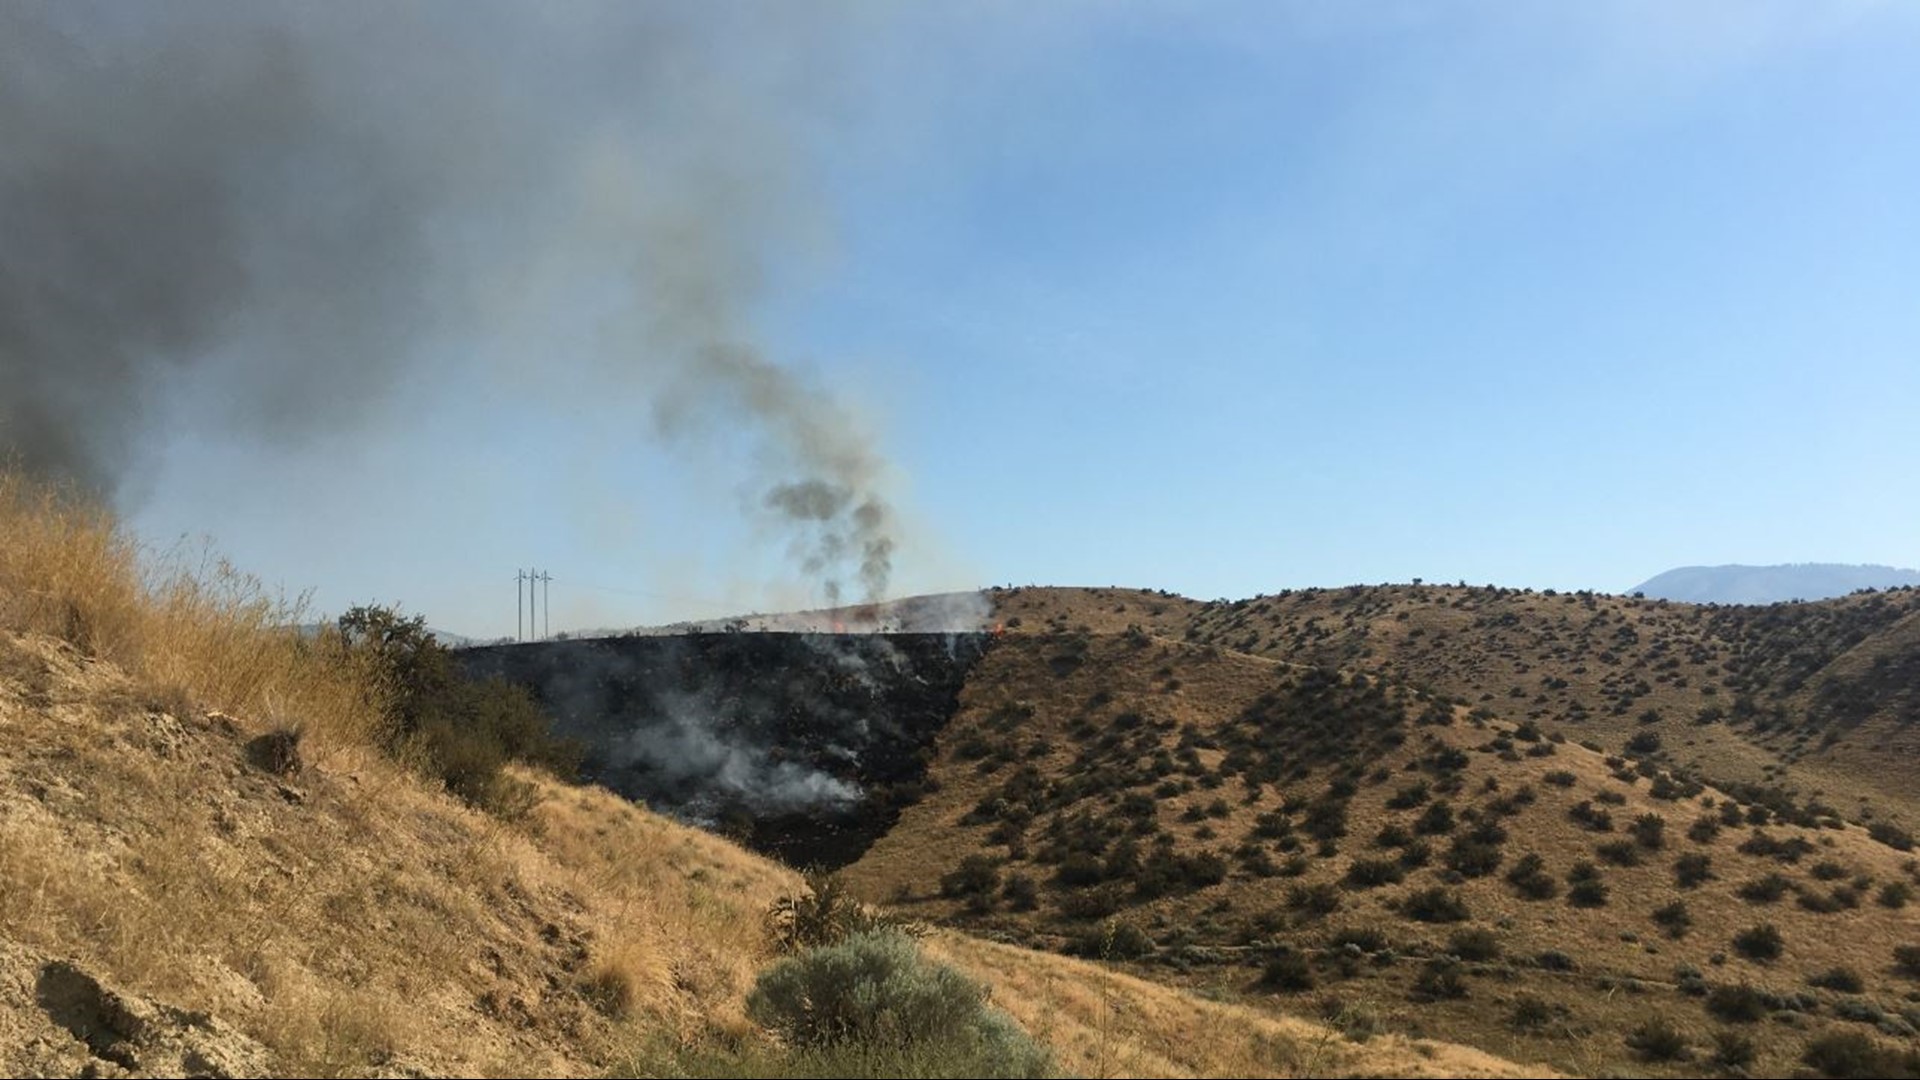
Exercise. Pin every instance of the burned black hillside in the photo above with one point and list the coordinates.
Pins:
(806, 745)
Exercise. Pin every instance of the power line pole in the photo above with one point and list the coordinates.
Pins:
(546, 605)
(519, 604)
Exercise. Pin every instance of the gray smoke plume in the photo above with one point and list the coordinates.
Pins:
(285, 211)
(684, 748)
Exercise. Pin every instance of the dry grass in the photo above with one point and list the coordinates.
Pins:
(184, 624)
(1103, 1023)
(356, 918)
(347, 916)
(1628, 967)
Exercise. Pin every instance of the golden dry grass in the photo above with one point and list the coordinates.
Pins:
(1105, 1023)
(350, 917)
(180, 621)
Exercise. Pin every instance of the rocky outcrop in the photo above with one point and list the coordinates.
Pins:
(57, 1019)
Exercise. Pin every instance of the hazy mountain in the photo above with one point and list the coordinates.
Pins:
(1767, 584)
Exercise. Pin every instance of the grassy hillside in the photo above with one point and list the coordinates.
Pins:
(215, 860)
(1820, 700)
(1295, 837)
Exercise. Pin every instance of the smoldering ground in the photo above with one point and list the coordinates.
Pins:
(816, 740)
(281, 214)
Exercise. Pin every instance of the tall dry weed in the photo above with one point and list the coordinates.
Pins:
(178, 619)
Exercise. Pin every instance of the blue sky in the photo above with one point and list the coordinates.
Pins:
(1222, 299)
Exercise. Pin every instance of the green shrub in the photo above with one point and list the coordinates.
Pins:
(1845, 1054)
(977, 875)
(1318, 899)
(1619, 852)
(1114, 939)
(874, 992)
(1393, 835)
(1895, 894)
(1842, 979)
(1555, 960)
(1740, 1004)
(1476, 945)
(1439, 980)
(1532, 1014)
(457, 730)
(824, 914)
(1732, 1050)
(1587, 889)
(1693, 869)
(1590, 816)
(1764, 890)
(1906, 960)
(1762, 943)
(1891, 835)
(1435, 820)
(1022, 893)
(1650, 831)
(1471, 856)
(1372, 873)
(1434, 905)
(1674, 918)
(1530, 879)
(1287, 971)
(1658, 1040)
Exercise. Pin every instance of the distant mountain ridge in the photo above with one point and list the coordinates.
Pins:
(1736, 584)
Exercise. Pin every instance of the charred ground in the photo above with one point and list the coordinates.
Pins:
(807, 746)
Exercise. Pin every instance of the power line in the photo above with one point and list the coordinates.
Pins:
(650, 594)
(532, 610)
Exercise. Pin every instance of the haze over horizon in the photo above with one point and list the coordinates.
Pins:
(713, 308)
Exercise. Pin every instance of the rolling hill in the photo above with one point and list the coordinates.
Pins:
(1498, 818)
(211, 865)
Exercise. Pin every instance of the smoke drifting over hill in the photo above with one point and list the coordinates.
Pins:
(288, 212)
(815, 741)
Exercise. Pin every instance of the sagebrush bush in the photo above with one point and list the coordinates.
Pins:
(1478, 945)
(1732, 1050)
(1741, 1004)
(1852, 1054)
(1843, 980)
(1434, 905)
(1658, 1040)
(1288, 971)
(1112, 939)
(874, 990)
(1762, 942)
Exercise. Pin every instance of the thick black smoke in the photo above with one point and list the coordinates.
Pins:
(286, 211)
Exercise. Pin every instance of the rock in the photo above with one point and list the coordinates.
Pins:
(56, 1019)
